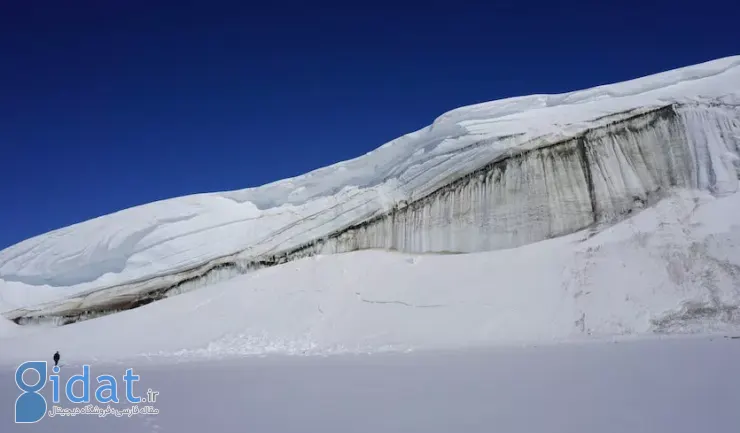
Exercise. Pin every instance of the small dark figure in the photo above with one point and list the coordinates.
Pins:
(56, 359)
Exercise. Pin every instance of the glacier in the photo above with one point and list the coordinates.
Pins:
(673, 268)
(491, 176)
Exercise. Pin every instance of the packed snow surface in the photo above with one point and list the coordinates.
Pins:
(685, 385)
(177, 234)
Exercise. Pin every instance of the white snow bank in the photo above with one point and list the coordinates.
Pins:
(671, 268)
(180, 233)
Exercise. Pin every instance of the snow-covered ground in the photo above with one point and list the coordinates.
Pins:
(674, 267)
(177, 234)
(684, 385)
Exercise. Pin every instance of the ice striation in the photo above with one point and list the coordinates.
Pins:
(492, 176)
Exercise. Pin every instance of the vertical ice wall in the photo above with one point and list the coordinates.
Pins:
(517, 200)
(714, 134)
(689, 147)
(596, 177)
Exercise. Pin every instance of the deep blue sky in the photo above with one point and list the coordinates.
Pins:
(109, 104)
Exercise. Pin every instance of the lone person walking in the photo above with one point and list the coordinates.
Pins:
(56, 358)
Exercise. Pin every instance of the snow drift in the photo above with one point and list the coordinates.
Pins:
(495, 175)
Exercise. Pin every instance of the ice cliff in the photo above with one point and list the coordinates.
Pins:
(495, 175)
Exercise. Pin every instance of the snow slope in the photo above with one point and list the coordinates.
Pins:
(177, 234)
(674, 267)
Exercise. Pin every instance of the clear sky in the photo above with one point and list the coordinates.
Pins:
(109, 104)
